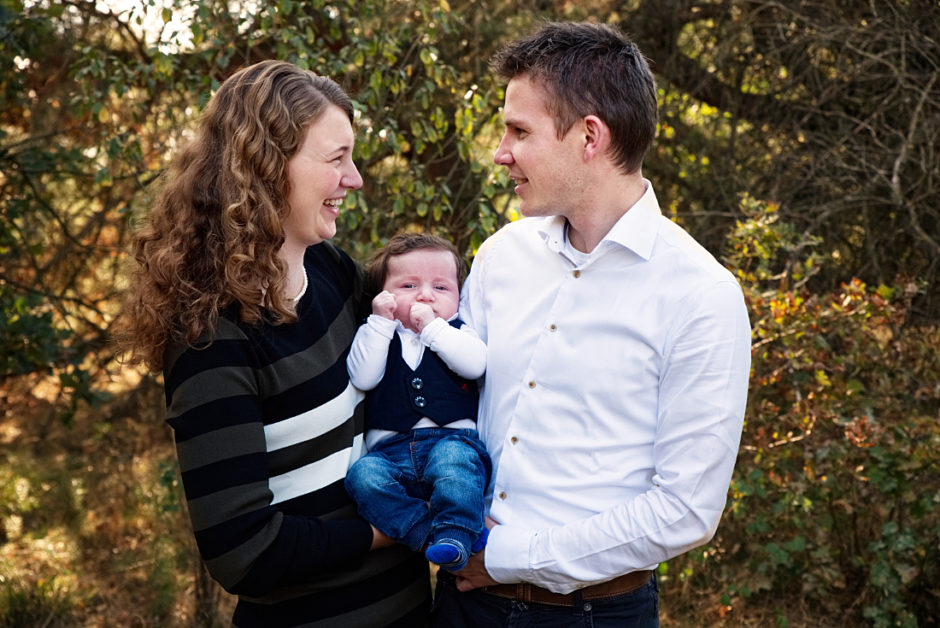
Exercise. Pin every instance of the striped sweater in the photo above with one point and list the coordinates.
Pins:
(266, 424)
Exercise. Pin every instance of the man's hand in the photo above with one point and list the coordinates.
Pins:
(474, 575)
(384, 305)
(421, 315)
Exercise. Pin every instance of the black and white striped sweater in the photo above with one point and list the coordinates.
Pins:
(266, 424)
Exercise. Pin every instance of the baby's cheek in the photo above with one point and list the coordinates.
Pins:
(403, 309)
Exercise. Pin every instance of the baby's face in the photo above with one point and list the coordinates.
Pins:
(423, 276)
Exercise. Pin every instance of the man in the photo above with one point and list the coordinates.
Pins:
(618, 353)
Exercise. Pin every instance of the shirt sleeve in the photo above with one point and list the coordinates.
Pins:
(702, 394)
(369, 352)
(249, 546)
(472, 311)
(461, 349)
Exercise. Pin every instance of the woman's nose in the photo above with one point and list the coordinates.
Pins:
(352, 179)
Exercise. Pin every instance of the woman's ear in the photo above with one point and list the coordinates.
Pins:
(596, 137)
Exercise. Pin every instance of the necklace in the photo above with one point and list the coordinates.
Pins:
(303, 289)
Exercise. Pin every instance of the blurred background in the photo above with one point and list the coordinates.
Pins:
(799, 142)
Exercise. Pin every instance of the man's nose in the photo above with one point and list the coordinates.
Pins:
(502, 156)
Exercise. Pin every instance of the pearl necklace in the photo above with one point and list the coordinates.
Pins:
(303, 289)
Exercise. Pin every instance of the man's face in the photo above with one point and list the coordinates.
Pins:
(547, 171)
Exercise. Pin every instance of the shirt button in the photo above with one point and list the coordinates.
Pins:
(421, 401)
(502, 494)
(513, 440)
(552, 327)
(531, 384)
(417, 383)
(576, 273)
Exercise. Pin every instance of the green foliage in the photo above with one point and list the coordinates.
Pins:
(836, 497)
(35, 604)
(89, 113)
(823, 113)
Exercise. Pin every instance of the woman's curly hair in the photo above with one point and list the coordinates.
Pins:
(212, 236)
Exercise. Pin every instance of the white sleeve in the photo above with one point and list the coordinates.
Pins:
(472, 305)
(703, 392)
(461, 349)
(369, 352)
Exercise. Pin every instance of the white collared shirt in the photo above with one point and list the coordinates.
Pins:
(613, 399)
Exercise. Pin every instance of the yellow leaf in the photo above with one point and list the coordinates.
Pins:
(445, 6)
(103, 115)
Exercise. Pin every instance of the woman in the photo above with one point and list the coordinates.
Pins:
(250, 312)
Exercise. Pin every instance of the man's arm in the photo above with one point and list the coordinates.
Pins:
(702, 392)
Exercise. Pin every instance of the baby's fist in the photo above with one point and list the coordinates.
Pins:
(384, 305)
(421, 315)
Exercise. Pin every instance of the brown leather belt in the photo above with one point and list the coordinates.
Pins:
(528, 593)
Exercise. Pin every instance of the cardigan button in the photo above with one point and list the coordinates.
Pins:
(417, 383)
(420, 401)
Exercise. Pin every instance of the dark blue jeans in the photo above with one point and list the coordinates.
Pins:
(478, 609)
(423, 486)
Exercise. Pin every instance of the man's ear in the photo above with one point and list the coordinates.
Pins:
(596, 137)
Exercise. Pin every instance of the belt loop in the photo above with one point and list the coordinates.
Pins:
(577, 603)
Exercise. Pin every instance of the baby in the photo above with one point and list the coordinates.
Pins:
(422, 481)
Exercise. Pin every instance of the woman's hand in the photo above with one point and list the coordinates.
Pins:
(379, 540)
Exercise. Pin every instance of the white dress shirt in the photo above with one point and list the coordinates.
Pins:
(460, 349)
(614, 396)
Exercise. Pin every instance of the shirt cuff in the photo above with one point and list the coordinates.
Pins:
(384, 326)
(432, 329)
(507, 554)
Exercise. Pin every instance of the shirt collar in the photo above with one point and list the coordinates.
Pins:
(636, 230)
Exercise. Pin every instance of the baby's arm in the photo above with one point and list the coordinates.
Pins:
(369, 350)
(461, 349)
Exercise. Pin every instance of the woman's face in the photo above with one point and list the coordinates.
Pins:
(320, 175)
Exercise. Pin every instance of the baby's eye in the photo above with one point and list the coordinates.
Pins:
(441, 288)
(408, 286)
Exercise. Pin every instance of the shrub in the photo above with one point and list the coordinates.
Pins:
(834, 508)
(35, 604)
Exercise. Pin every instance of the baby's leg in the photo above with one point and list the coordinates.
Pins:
(458, 469)
(379, 485)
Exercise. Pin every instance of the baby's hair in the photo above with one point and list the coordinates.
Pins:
(401, 243)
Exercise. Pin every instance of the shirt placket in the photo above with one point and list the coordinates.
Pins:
(530, 409)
